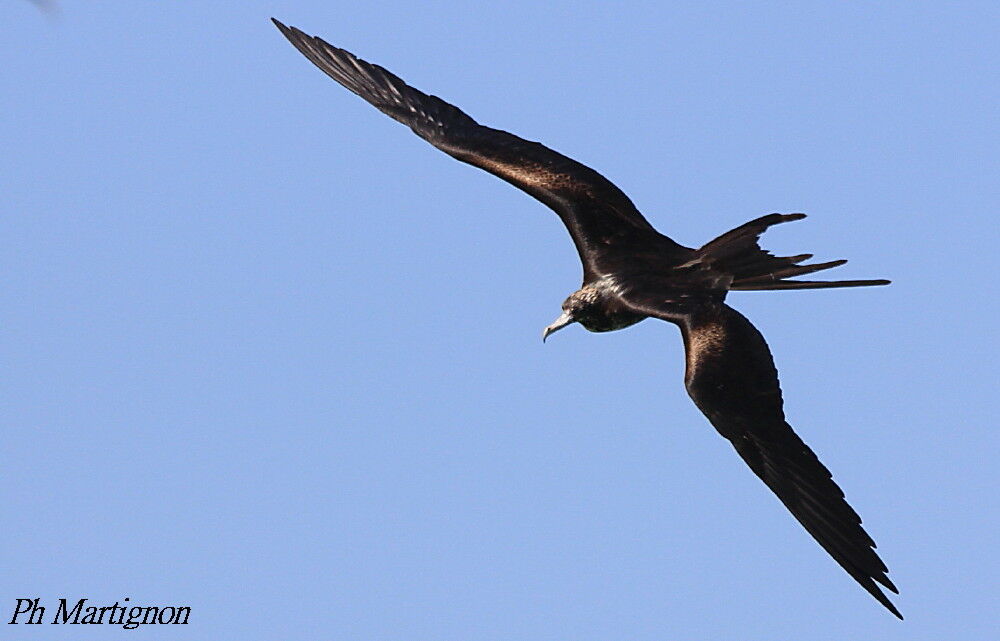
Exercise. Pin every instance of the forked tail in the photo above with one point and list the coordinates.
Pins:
(737, 252)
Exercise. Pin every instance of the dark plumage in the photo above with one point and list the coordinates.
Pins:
(632, 272)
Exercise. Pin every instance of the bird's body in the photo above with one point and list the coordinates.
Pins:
(632, 272)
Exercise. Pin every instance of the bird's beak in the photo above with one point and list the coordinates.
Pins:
(565, 319)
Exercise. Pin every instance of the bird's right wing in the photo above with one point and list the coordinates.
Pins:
(604, 224)
(731, 377)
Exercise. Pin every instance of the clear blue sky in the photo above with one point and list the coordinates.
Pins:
(267, 354)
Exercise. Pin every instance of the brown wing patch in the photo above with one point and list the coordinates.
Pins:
(532, 174)
(704, 341)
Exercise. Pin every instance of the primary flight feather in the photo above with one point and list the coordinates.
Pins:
(632, 272)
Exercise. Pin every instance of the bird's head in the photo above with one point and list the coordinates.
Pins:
(576, 309)
(598, 307)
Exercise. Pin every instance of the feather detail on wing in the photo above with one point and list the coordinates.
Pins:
(731, 377)
(598, 215)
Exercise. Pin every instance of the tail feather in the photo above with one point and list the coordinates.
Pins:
(795, 270)
(761, 261)
(738, 253)
(807, 284)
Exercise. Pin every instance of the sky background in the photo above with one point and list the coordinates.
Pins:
(268, 355)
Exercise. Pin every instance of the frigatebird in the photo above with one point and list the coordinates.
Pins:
(632, 272)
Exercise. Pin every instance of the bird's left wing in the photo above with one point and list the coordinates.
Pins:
(731, 377)
(604, 224)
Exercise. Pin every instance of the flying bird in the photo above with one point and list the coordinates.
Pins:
(632, 272)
